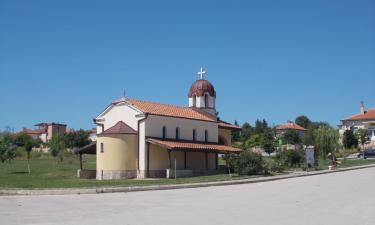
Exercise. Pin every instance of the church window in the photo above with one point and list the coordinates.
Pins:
(164, 132)
(177, 133)
(206, 100)
(206, 136)
(194, 134)
(102, 147)
(194, 100)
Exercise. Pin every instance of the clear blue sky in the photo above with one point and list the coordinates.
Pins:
(65, 61)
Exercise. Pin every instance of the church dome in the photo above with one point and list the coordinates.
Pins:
(200, 87)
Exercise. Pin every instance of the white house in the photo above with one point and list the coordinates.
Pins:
(137, 138)
(364, 120)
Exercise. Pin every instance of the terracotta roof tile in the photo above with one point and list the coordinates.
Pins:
(290, 125)
(119, 128)
(191, 146)
(226, 125)
(37, 131)
(170, 110)
(369, 115)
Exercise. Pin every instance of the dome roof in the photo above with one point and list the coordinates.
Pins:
(200, 87)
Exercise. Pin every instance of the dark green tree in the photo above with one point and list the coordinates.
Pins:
(77, 139)
(268, 141)
(349, 139)
(326, 140)
(303, 121)
(236, 133)
(7, 147)
(246, 132)
(291, 137)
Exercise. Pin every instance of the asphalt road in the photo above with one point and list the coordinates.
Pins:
(338, 198)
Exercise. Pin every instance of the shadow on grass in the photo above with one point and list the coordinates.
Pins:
(20, 172)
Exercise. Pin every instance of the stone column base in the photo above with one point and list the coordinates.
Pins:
(115, 174)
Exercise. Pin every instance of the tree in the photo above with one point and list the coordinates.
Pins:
(246, 131)
(267, 141)
(57, 146)
(260, 126)
(235, 133)
(362, 135)
(27, 143)
(349, 139)
(303, 121)
(249, 163)
(7, 148)
(326, 140)
(77, 139)
(291, 137)
(253, 141)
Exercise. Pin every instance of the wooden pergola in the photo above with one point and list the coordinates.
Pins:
(89, 149)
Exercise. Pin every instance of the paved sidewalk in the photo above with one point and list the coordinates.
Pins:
(97, 190)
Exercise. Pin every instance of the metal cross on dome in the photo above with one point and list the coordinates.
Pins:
(201, 73)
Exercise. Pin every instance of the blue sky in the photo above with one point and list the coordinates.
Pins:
(65, 61)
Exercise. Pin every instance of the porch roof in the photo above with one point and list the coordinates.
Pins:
(87, 149)
(183, 145)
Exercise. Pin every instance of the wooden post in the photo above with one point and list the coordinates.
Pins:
(169, 159)
(80, 161)
(216, 161)
(185, 160)
(206, 160)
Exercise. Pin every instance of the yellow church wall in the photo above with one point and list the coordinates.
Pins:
(119, 157)
(225, 133)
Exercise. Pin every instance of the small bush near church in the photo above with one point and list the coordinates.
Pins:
(249, 163)
(290, 158)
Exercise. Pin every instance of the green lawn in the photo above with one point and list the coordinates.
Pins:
(47, 173)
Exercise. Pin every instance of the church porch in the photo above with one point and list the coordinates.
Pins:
(170, 158)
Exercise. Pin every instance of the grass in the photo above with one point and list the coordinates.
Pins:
(48, 173)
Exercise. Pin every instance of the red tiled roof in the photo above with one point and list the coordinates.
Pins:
(170, 110)
(226, 125)
(193, 146)
(290, 125)
(200, 87)
(369, 115)
(37, 131)
(119, 128)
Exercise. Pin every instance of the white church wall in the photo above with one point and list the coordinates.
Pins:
(154, 128)
(118, 113)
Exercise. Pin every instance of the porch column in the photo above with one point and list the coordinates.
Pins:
(206, 160)
(148, 159)
(185, 160)
(216, 161)
(80, 161)
(169, 159)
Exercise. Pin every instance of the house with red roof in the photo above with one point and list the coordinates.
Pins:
(365, 119)
(141, 139)
(281, 129)
(45, 131)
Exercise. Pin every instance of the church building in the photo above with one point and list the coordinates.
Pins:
(141, 139)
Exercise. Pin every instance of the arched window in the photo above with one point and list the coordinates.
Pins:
(194, 134)
(194, 100)
(101, 147)
(177, 133)
(206, 136)
(206, 100)
(164, 132)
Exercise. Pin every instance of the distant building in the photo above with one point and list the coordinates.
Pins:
(45, 131)
(281, 129)
(365, 119)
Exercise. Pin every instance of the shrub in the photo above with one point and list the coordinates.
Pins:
(249, 163)
(290, 158)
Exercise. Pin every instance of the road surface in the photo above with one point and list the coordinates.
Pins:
(346, 198)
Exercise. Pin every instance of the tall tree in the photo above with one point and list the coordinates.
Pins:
(246, 132)
(27, 143)
(349, 139)
(236, 133)
(57, 146)
(326, 140)
(77, 139)
(303, 121)
(268, 141)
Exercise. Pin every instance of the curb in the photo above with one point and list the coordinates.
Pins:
(99, 190)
